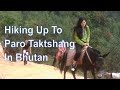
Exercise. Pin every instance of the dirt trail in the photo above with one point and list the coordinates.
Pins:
(16, 70)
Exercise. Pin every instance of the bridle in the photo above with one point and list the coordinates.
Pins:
(89, 58)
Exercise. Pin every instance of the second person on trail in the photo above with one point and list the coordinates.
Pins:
(26, 50)
(81, 36)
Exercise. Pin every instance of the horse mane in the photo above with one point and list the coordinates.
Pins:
(95, 50)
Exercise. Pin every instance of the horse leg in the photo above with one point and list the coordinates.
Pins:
(93, 73)
(73, 73)
(85, 74)
(59, 62)
(65, 70)
(84, 70)
(54, 61)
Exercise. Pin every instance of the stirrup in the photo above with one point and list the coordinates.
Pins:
(73, 67)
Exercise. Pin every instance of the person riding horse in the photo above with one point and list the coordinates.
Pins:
(81, 36)
(83, 56)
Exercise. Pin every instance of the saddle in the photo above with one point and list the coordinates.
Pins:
(82, 53)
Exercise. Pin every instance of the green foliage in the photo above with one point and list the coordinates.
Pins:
(104, 26)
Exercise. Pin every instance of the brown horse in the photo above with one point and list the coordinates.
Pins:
(92, 61)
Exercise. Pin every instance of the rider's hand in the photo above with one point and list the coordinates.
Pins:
(87, 44)
(84, 44)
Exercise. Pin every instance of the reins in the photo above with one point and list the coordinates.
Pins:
(89, 57)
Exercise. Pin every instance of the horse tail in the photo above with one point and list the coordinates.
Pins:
(63, 62)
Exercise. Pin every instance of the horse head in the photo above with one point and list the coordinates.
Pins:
(96, 58)
(100, 61)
